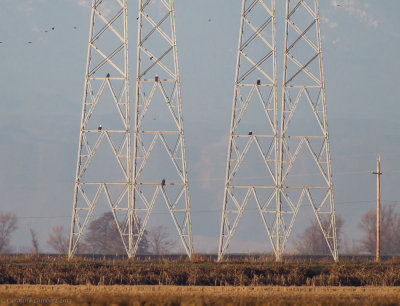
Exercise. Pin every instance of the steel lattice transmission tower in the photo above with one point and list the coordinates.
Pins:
(304, 126)
(103, 173)
(254, 125)
(159, 165)
(302, 171)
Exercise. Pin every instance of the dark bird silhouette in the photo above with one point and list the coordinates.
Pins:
(250, 133)
(163, 182)
(52, 28)
(29, 42)
(74, 28)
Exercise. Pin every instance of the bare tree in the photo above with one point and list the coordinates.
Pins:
(57, 240)
(350, 246)
(390, 226)
(34, 240)
(103, 237)
(8, 224)
(313, 242)
(158, 240)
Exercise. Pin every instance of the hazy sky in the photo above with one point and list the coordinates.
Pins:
(41, 100)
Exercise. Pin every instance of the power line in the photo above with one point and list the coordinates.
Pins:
(206, 210)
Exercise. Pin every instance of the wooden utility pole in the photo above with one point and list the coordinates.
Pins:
(378, 207)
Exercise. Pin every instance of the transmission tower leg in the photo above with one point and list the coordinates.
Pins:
(303, 100)
(103, 172)
(159, 163)
(255, 92)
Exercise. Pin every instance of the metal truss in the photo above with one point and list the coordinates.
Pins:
(103, 172)
(159, 165)
(287, 156)
(303, 100)
(255, 93)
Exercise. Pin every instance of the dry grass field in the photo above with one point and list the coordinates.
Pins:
(197, 272)
(196, 295)
(47, 280)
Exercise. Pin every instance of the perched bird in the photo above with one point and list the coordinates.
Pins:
(163, 182)
(250, 133)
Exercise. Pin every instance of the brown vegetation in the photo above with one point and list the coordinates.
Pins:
(197, 272)
(168, 295)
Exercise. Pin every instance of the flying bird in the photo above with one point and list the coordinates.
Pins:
(52, 28)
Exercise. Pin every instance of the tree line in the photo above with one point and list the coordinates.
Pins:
(102, 237)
